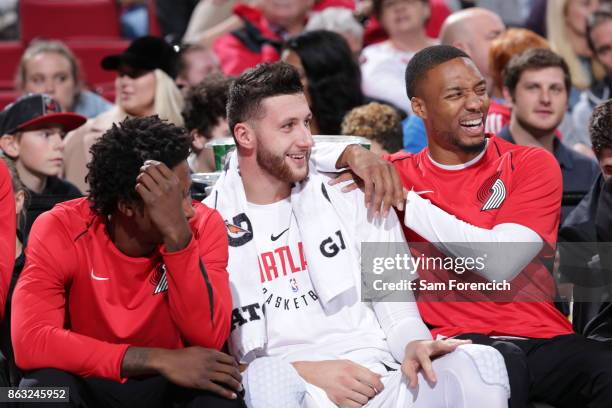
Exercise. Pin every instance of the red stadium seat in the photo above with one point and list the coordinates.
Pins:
(7, 96)
(63, 19)
(154, 28)
(91, 52)
(10, 54)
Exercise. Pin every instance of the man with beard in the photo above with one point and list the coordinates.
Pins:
(295, 251)
(537, 84)
(500, 201)
(599, 38)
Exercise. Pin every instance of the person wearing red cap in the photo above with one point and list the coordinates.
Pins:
(32, 131)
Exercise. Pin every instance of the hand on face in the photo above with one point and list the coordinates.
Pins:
(164, 199)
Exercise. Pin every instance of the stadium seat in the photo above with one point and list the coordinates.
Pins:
(7, 96)
(10, 53)
(154, 28)
(91, 52)
(63, 19)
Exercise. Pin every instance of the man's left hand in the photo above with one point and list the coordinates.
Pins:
(419, 354)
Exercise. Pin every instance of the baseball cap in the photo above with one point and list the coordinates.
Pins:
(145, 53)
(37, 110)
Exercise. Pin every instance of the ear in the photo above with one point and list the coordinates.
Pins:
(10, 146)
(197, 140)
(418, 107)
(128, 209)
(19, 201)
(245, 136)
(508, 97)
(462, 46)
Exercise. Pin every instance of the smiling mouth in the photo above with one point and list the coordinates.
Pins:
(473, 126)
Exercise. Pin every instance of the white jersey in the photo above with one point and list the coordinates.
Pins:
(298, 328)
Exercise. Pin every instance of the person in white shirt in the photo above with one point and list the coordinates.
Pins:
(302, 321)
(383, 64)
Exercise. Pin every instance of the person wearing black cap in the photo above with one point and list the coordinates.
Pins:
(144, 87)
(32, 131)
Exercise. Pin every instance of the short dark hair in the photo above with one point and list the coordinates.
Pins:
(254, 85)
(205, 104)
(599, 16)
(535, 58)
(600, 125)
(118, 155)
(425, 60)
(377, 7)
(375, 121)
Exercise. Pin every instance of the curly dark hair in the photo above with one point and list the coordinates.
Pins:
(334, 77)
(378, 122)
(118, 155)
(600, 125)
(205, 104)
(256, 84)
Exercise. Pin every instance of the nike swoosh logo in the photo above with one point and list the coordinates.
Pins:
(98, 278)
(274, 238)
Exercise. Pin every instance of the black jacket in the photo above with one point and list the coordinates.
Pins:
(586, 260)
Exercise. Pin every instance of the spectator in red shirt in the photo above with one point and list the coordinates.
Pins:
(129, 282)
(7, 234)
(266, 26)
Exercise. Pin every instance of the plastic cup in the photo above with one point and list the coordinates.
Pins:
(221, 147)
(203, 184)
(343, 139)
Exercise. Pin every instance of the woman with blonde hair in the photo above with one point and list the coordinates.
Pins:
(144, 86)
(566, 32)
(49, 66)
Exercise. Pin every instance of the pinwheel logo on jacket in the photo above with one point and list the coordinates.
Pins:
(492, 193)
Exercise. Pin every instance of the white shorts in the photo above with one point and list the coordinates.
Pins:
(472, 376)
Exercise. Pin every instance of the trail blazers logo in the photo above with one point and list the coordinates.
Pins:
(492, 193)
(159, 280)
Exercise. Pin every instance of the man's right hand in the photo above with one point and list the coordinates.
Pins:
(191, 367)
(202, 368)
(346, 384)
